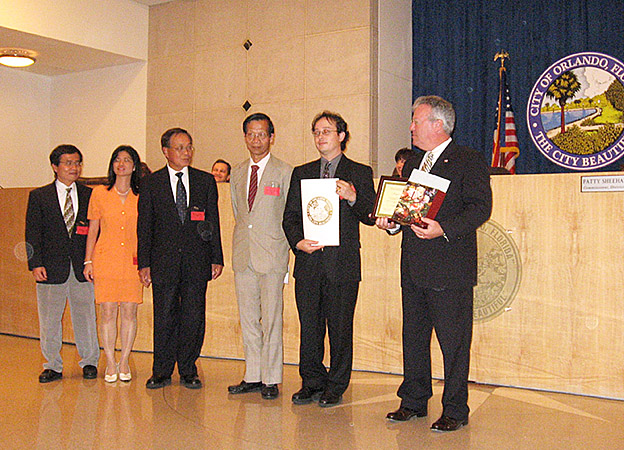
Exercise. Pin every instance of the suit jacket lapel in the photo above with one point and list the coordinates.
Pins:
(241, 188)
(440, 166)
(52, 197)
(166, 194)
(342, 171)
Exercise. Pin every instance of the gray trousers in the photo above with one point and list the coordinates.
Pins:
(260, 306)
(51, 299)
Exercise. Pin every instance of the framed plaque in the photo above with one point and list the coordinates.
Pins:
(388, 194)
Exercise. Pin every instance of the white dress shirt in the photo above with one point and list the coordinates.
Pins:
(173, 179)
(61, 191)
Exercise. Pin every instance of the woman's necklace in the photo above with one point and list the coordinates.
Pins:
(122, 193)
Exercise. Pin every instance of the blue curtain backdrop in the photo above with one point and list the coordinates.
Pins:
(454, 44)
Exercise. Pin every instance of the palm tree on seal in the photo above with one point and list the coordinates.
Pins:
(563, 89)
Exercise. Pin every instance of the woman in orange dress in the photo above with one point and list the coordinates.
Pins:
(111, 258)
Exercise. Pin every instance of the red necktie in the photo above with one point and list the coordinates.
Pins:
(253, 185)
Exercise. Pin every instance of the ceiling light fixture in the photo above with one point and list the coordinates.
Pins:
(17, 57)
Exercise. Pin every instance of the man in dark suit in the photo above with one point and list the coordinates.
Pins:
(56, 232)
(439, 267)
(327, 278)
(179, 251)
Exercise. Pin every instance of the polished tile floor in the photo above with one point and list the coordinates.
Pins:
(74, 413)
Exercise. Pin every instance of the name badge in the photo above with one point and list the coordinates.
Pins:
(198, 215)
(82, 229)
(272, 190)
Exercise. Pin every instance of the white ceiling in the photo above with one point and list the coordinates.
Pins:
(59, 57)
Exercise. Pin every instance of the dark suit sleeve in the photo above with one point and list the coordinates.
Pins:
(145, 225)
(34, 224)
(213, 204)
(365, 192)
(293, 221)
(476, 197)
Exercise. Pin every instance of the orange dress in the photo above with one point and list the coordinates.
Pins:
(115, 255)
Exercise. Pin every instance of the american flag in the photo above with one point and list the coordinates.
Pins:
(505, 150)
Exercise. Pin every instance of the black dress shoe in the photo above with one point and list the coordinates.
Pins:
(306, 395)
(50, 375)
(404, 414)
(329, 399)
(243, 387)
(191, 382)
(89, 372)
(446, 423)
(269, 391)
(157, 382)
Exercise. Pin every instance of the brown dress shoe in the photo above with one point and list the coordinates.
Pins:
(404, 414)
(446, 423)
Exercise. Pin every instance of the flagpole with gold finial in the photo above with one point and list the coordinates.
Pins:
(502, 55)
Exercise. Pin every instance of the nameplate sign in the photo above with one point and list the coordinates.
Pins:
(602, 183)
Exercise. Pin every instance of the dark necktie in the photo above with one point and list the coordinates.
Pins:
(326, 170)
(181, 197)
(68, 213)
(253, 185)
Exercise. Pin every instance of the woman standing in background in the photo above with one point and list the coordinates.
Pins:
(111, 258)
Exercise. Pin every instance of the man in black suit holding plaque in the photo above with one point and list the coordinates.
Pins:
(439, 267)
(179, 251)
(327, 278)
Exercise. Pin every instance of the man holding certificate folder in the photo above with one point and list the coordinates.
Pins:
(327, 276)
(439, 267)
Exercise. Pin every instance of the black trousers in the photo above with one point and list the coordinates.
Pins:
(179, 324)
(449, 312)
(322, 305)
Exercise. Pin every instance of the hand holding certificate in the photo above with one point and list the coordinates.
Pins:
(321, 211)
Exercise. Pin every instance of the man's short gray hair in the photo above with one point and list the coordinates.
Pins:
(440, 110)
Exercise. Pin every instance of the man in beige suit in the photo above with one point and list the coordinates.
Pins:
(259, 188)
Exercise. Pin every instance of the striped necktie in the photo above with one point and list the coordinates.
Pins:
(326, 170)
(68, 213)
(428, 162)
(253, 185)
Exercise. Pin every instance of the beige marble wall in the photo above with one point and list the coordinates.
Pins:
(306, 56)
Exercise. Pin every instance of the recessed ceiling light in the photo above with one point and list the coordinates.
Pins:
(17, 57)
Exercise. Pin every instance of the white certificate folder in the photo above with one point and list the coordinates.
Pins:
(321, 211)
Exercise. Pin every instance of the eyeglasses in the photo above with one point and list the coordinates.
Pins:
(70, 163)
(180, 149)
(324, 132)
(261, 136)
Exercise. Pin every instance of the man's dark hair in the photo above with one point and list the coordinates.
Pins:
(258, 116)
(64, 149)
(404, 154)
(166, 137)
(222, 161)
(338, 121)
(136, 172)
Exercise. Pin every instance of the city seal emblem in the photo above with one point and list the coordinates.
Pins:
(575, 112)
(499, 272)
(319, 210)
